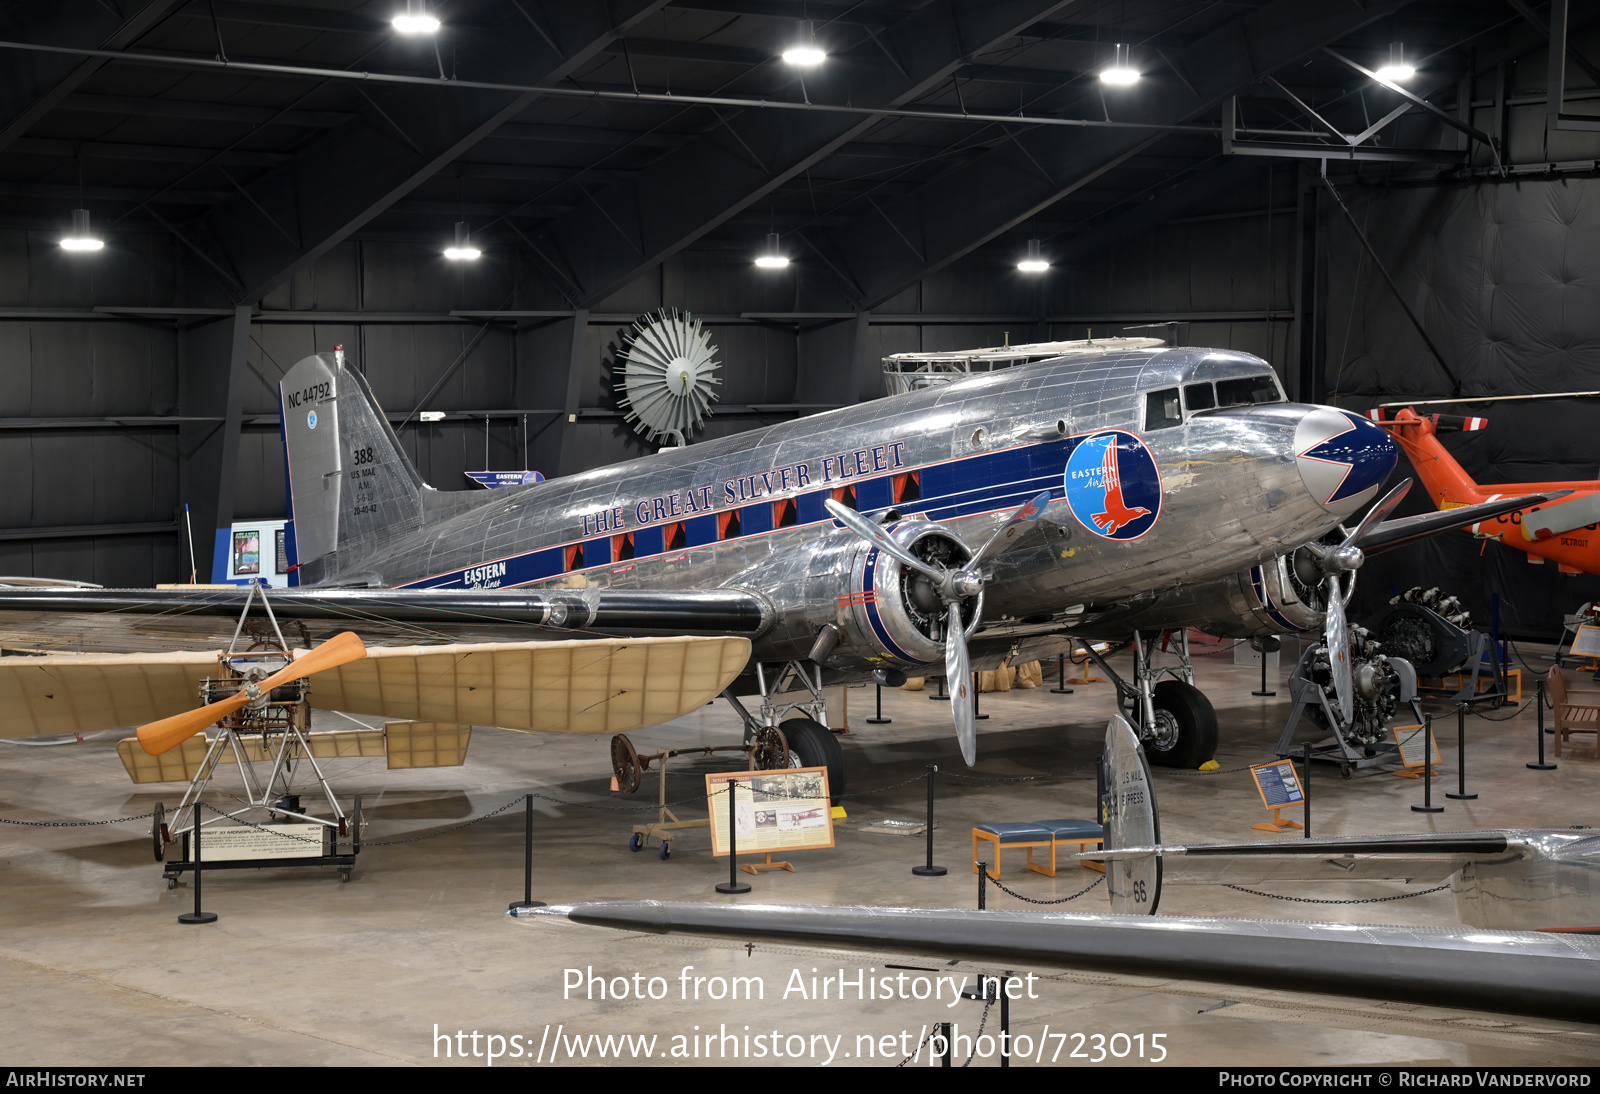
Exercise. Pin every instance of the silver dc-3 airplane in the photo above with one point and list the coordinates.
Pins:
(1103, 494)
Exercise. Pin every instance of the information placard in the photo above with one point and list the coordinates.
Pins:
(1413, 748)
(240, 843)
(773, 810)
(1278, 783)
(1586, 643)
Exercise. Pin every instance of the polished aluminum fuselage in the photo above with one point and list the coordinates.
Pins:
(961, 456)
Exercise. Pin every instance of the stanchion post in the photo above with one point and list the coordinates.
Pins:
(733, 884)
(197, 916)
(1061, 676)
(1305, 790)
(929, 869)
(1427, 805)
(1461, 756)
(1005, 1021)
(941, 695)
(1263, 692)
(527, 900)
(880, 720)
(983, 885)
(949, 1051)
(976, 716)
(1538, 697)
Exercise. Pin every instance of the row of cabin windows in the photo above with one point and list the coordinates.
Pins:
(674, 537)
(1163, 410)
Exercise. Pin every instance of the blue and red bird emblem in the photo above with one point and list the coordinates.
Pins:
(1113, 486)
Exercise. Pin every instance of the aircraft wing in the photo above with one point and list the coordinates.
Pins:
(1346, 858)
(119, 620)
(607, 685)
(1505, 972)
(1397, 533)
(1561, 518)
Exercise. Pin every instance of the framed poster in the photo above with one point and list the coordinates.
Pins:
(785, 810)
(1278, 784)
(247, 552)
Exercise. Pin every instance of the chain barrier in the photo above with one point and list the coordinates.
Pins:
(1190, 774)
(932, 1032)
(74, 824)
(1063, 900)
(1011, 778)
(1357, 900)
(987, 1005)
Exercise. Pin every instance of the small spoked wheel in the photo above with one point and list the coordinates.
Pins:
(625, 764)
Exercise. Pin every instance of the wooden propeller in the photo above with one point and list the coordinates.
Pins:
(168, 733)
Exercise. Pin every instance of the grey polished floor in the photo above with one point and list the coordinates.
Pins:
(387, 969)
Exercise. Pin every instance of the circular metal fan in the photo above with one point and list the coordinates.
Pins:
(669, 371)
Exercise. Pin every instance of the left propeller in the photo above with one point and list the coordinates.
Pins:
(954, 586)
(168, 733)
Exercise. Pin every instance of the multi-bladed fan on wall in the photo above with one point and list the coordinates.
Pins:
(668, 376)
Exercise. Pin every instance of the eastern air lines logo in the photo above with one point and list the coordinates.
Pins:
(1113, 485)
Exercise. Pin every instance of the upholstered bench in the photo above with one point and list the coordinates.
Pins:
(1031, 834)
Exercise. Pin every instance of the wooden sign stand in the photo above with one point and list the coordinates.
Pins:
(1410, 768)
(1279, 786)
(757, 867)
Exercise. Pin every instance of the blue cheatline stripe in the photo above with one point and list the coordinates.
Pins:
(869, 572)
(950, 491)
(1258, 582)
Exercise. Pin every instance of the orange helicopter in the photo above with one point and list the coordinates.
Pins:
(1564, 530)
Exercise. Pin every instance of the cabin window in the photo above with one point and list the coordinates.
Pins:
(574, 559)
(1248, 391)
(622, 547)
(728, 524)
(907, 487)
(1199, 397)
(784, 514)
(845, 496)
(675, 537)
(1161, 409)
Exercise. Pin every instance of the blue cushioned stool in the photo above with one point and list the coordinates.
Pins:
(1071, 830)
(1013, 834)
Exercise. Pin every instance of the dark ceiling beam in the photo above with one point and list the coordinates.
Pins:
(820, 14)
(968, 206)
(32, 85)
(700, 52)
(205, 112)
(584, 134)
(631, 227)
(149, 153)
(1012, 74)
(1147, 216)
(289, 17)
(1073, 32)
(290, 216)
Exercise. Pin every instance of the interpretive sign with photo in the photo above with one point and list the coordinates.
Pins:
(773, 810)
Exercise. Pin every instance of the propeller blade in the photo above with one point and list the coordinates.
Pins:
(1337, 636)
(1012, 531)
(166, 734)
(958, 674)
(1377, 513)
(874, 534)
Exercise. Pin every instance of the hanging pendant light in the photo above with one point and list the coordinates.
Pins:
(80, 238)
(772, 258)
(1397, 68)
(804, 52)
(1120, 72)
(1033, 261)
(415, 20)
(462, 249)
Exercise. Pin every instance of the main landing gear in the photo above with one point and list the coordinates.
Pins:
(804, 721)
(1177, 723)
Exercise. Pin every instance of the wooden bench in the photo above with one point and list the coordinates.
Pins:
(1031, 834)
(1572, 714)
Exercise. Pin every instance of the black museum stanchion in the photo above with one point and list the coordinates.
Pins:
(1542, 765)
(928, 869)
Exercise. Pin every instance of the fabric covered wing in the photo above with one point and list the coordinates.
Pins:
(597, 686)
(40, 696)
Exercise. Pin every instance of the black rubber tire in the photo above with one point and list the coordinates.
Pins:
(666, 850)
(1197, 726)
(813, 745)
(636, 844)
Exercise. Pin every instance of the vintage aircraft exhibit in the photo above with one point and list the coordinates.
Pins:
(857, 532)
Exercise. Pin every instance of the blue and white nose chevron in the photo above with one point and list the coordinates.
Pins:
(1343, 459)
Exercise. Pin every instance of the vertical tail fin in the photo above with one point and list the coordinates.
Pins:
(352, 491)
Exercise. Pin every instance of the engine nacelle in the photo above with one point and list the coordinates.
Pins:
(1281, 596)
(892, 616)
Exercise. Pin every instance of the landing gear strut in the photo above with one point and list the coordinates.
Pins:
(1177, 723)
(811, 742)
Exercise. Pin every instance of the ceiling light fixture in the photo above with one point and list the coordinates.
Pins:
(80, 238)
(772, 258)
(415, 19)
(804, 52)
(1033, 261)
(1398, 68)
(462, 250)
(1120, 73)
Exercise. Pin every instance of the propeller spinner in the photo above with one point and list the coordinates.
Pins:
(954, 586)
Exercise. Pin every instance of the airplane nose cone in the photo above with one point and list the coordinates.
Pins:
(1343, 459)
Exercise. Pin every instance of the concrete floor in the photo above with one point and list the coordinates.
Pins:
(301, 969)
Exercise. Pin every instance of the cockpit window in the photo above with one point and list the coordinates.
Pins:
(1161, 409)
(1248, 391)
(1199, 397)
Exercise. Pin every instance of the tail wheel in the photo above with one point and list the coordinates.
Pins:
(1186, 731)
(813, 745)
(772, 749)
(625, 764)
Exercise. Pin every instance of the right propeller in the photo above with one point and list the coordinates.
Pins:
(954, 587)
